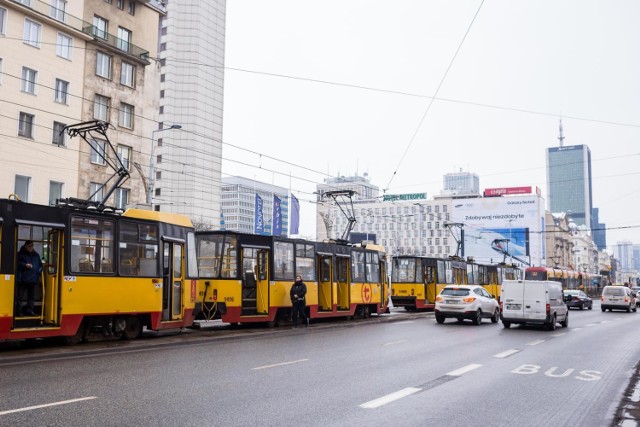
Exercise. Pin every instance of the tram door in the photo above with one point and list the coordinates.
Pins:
(430, 281)
(255, 281)
(52, 278)
(344, 280)
(325, 288)
(172, 280)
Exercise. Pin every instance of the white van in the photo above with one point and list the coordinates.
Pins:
(533, 301)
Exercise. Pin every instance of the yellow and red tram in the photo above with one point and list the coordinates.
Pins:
(246, 278)
(102, 272)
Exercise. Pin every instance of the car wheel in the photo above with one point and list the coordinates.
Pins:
(552, 325)
(604, 309)
(581, 306)
(565, 322)
(635, 309)
(439, 318)
(477, 319)
(629, 309)
(506, 325)
(591, 306)
(496, 316)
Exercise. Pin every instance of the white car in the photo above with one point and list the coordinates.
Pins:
(466, 302)
(617, 298)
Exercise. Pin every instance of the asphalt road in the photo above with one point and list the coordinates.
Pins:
(410, 372)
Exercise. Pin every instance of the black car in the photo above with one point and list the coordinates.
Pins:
(577, 298)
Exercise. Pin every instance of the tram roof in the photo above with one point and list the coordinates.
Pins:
(171, 218)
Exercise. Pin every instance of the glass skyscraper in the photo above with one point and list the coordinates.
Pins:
(569, 182)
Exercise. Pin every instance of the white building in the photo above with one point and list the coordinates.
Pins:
(187, 176)
(253, 207)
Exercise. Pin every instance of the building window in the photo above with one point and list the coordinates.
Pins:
(64, 44)
(103, 65)
(120, 4)
(159, 175)
(124, 154)
(25, 125)
(131, 9)
(21, 188)
(55, 192)
(101, 108)
(29, 80)
(128, 75)
(124, 39)
(0, 71)
(122, 198)
(62, 92)
(98, 151)
(100, 27)
(32, 33)
(24, 2)
(58, 138)
(126, 115)
(163, 47)
(59, 10)
(95, 191)
(3, 20)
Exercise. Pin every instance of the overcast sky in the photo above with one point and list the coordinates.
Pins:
(344, 87)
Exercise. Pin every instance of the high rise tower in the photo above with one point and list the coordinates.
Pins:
(569, 181)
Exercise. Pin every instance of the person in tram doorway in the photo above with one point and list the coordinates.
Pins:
(29, 273)
(298, 292)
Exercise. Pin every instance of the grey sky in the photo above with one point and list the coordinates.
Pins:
(523, 65)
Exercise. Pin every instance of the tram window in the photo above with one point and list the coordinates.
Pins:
(192, 259)
(283, 259)
(404, 270)
(92, 245)
(229, 258)
(305, 261)
(430, 274)
(138, 254)
(373, 268)
(249, 261)
(443, 277)
(35, 233)
(358, 265)
(177, 261)
(209, 250)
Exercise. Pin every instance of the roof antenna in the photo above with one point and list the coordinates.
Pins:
(561, 137)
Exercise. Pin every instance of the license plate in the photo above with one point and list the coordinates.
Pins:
(452, 301)
(513, 306)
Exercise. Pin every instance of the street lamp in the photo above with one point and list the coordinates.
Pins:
(151, 176)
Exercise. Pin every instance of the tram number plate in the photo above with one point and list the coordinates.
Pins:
(513, 306)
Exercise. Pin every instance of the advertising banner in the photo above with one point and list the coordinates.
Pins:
(277, 216)
(259, 219)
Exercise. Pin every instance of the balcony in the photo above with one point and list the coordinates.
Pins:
(117, 44)
(42, 9)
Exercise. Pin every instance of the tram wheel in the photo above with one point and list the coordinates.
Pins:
(132, 329)
(77, 338)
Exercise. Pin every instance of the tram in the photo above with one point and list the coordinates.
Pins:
(246, 278)
(417, 280)
(490, 276)
(103, 272)
(569, 279)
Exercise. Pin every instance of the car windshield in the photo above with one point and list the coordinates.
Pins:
(455, 292)
(616, 292)
(572, 292)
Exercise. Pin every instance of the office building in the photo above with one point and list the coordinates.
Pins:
(187, 176)
(599, 231)
(461, 182)
(254, 207)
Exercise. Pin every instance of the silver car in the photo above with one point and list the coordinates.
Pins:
(617, 298)
(466, 302)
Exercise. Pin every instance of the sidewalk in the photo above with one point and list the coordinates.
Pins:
(628, 412)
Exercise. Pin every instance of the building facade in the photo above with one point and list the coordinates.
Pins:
(121, 88)
(41, 90)
(461, 182)
(254, 207)
(187, 174)
(569, 182)
(599, 231)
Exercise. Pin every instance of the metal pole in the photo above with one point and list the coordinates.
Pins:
(151, 174)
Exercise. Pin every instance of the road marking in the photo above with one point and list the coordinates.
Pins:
(376, 403)
(279, 364)
(606, 321)
(589, 324)
(536, 342)
(576, 329)
(404, 322)
(394, 342)
(46, 405)
(506, 354)
(558, 334)
(463, 370)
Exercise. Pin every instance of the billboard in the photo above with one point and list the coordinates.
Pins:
(498, 229)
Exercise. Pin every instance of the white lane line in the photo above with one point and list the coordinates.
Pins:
(278, 364)
(506, 354)
(606, 321)
(536, 342)
(576, 329)
(463, 370)
(558, 334)
(404, 322)
(394, 342)
(589, 324)
(376, 403)
(46, 405)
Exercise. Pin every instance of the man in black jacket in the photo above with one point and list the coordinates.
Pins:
(29, 273)
(297, 294)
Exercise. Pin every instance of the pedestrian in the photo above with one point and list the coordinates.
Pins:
(297, 294)
(29, 273)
